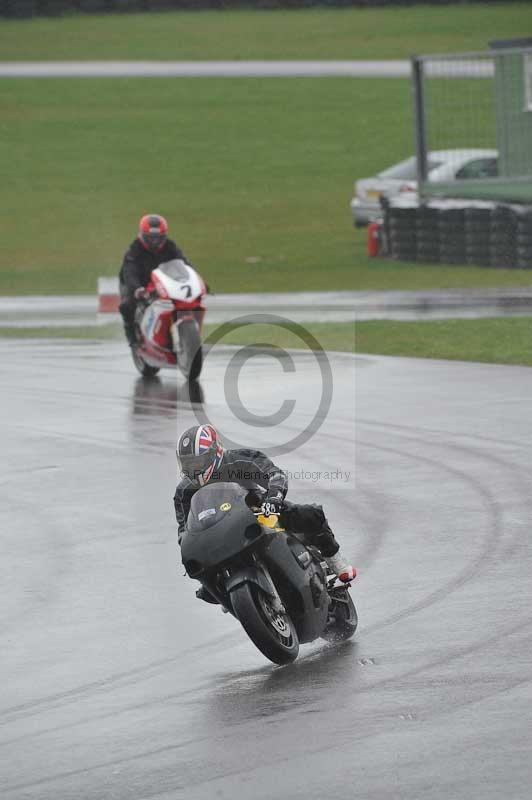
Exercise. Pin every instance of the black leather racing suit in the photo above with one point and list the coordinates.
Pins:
(137, 266)
(254, 471)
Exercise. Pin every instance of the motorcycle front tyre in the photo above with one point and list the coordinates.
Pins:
(190, 359)
(272, 632)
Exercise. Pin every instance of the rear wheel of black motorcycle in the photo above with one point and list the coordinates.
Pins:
(271, 631)
(343, 619)
(145, 370)
(190, 359)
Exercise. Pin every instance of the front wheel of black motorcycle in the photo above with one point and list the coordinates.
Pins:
(272, 631)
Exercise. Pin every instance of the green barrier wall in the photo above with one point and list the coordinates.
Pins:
(514, 119)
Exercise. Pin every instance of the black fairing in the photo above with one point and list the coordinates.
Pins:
(220, 526)
(300, 582)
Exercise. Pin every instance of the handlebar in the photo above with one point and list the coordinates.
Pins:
(146, 297)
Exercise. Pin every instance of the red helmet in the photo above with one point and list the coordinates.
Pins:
(153, 231)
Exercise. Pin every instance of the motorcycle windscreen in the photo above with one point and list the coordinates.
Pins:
(213, 502)
(220, 525)
(179, 281)
(176, 269)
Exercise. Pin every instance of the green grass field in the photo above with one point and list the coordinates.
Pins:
(85, 333)
(502, 340)
(255, 178)
(254, 175)
(342, 33)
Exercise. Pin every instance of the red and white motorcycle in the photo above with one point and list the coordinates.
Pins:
(169, 319)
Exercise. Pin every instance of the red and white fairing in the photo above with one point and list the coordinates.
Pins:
(179, 291)
(180, 283)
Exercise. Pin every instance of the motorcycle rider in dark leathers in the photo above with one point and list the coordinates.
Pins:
(151, 248)
(202, 459)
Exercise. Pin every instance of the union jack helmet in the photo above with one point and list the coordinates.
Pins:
(199, 453)
(153, 232)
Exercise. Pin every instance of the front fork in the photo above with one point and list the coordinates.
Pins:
(174, 333)
(176, 339)
(259, 575)
(276, 601)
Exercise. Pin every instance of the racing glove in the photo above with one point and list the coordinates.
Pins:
(273, 504)
(141, 293)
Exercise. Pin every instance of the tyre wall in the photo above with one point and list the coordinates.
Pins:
(488, 235)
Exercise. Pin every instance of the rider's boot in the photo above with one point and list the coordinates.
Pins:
(341, 567)
(133, 339)
(203, 594)
(127, 311)
(131, 335)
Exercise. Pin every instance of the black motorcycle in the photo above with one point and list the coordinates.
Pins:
(278, 588)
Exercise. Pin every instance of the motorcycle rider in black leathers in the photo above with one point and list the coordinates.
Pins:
(151, 248)
(202, 458)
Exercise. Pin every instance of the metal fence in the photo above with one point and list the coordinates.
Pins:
(473, 112)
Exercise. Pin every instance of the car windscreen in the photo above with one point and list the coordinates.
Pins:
(407, 170)
(479, 168)
(175, 269)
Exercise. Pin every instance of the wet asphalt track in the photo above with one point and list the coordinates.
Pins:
(115, 682)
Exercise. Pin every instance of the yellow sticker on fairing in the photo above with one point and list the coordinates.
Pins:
(225, 506)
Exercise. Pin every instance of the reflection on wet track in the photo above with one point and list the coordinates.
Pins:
(117, 683)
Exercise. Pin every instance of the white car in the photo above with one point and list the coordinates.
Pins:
(442, 166)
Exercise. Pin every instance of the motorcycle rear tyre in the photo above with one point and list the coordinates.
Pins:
(250, 604)
(145, 370)
(345, 621)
